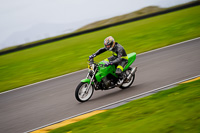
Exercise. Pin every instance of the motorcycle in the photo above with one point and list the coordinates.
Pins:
(101, 77)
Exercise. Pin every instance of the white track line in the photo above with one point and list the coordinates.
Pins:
(85, 69)
(99, 108)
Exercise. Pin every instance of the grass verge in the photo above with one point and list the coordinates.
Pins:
(68, 55)
(173, 110)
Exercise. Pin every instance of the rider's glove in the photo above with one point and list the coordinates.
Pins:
(92, 56)
(109, 63)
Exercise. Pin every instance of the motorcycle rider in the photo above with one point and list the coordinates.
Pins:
(118, 58)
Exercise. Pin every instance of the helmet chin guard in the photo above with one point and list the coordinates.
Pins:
(111, 48)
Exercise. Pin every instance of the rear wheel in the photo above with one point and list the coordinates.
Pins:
(127, 83)
(81, 94)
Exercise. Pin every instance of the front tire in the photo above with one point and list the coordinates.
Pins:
(81, 94)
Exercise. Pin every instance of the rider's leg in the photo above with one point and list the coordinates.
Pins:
(119, 71)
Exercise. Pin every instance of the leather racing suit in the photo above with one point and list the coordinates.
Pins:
(118, 58)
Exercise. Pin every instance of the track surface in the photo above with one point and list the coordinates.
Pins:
(50, 101)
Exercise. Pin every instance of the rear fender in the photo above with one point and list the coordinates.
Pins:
(86, 81)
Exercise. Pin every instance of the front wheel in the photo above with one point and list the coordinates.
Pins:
(81, 94)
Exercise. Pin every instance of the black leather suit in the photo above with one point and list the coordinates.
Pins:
(119, 57)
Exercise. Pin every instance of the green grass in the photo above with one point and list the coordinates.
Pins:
(68, 55)
(175, 110)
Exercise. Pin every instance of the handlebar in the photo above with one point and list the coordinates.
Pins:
(91, 61)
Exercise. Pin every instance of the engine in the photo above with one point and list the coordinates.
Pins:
(108, 81)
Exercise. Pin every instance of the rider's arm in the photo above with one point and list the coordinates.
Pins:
(100, 51)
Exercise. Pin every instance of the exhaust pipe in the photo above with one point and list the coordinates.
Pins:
(132, 73)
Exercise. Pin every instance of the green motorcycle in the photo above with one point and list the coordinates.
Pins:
(101, 77)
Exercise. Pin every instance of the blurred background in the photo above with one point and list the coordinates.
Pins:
(24, 21)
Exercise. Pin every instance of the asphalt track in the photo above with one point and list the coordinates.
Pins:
(43, 103)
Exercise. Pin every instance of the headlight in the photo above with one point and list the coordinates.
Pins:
(90, 72)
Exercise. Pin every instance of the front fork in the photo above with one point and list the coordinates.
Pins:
(94, 72)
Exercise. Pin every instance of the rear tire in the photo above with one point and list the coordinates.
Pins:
(80, 93)
(130, 82)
